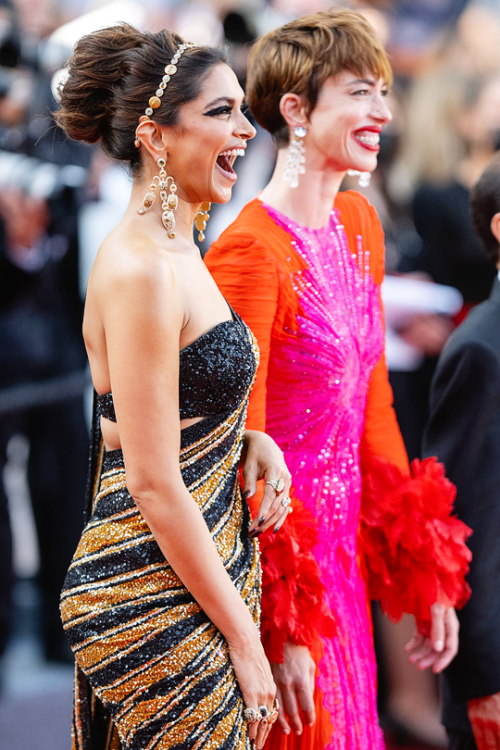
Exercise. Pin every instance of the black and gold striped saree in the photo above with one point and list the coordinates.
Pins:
(153, 672)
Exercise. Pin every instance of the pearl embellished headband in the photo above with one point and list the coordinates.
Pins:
(155, 101)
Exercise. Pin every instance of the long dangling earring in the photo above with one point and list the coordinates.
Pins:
(296, 158)
(364, 177)
(169, 202)
(201, 219)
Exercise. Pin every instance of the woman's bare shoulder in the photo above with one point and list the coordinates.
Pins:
(127, 258)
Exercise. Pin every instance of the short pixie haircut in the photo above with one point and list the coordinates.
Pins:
(485, 203)
(299, 57)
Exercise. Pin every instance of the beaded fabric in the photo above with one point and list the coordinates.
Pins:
(311, 297)
(323, 336)
(146, 654)
(170, 70)
(331, 355)
(201, 389)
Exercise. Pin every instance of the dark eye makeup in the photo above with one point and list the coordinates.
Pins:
(225, 109)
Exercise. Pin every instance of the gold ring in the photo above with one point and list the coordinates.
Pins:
(278, 485)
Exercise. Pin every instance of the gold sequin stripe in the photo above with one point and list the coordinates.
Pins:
(83, 600)
(156, 666)
(166, 685)
(197, 450)
(205, 648)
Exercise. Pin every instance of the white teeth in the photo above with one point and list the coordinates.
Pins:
(233, 152)
(372, 140)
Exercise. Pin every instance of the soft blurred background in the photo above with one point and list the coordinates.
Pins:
(59, 199)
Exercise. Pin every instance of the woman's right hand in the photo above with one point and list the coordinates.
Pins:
(256, 682)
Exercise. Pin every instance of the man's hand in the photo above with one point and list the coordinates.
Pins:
(442, 646)
(295, 680)
(484, 715)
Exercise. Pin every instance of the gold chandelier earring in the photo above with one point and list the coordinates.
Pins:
(201, 219)
(169, 200)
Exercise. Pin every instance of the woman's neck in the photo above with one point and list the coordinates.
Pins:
(311, 202)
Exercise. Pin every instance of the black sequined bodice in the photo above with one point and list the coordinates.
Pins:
(215, 372)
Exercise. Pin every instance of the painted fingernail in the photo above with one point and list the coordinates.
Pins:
(438, 646)
(261, 520)
(246, 494)
(258, 532)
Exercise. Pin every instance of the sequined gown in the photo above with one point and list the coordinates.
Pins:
(311, 297)
(148, 658)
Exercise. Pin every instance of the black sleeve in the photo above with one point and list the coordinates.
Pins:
(464, 432)
(462, 390)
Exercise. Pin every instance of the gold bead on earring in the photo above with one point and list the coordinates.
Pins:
(201, 219)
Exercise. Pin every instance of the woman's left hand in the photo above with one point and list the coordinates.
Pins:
(263, 459)
(441, 647)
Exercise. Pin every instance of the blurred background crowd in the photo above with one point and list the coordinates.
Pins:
(58, 200)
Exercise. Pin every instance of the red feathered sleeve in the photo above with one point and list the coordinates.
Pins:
(246, 266)
(413, 548)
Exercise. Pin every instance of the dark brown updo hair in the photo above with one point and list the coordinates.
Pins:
(112, 75)
(299, 57)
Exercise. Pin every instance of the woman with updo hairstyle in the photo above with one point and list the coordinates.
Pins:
(161, 601)
(302, 265)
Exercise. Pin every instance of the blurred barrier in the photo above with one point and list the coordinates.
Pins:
(30, 395)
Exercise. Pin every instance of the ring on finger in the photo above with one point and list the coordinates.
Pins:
(278, 485)
(263, 712)
(286, 501)
(252, 715)
(275, 711)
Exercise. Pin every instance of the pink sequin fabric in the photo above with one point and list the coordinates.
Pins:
(315, 411)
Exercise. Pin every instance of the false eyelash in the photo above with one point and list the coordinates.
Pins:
(225, 110)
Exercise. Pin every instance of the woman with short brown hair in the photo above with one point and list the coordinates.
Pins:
(302, 265)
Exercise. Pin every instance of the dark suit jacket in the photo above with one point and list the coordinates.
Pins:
(464, 433)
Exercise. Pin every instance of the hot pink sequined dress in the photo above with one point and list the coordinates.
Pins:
(327, 366)
(311, 296)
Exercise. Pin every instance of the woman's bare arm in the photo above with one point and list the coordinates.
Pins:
(143, 317)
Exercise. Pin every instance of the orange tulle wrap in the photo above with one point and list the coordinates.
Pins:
(293, 606)
(414, 549)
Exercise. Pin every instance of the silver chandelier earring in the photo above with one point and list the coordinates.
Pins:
(296, 158)
(364, 177)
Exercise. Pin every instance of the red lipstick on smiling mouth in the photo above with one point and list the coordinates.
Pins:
(368, 137)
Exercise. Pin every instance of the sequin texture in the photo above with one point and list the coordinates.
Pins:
(317, 421)
(152, 657)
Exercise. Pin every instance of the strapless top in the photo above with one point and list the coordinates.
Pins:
(215, 372)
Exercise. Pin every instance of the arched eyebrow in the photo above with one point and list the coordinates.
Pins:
(220, 100)
(367, 81)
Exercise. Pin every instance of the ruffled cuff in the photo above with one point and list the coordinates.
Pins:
(414, 549)
(293, 605)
